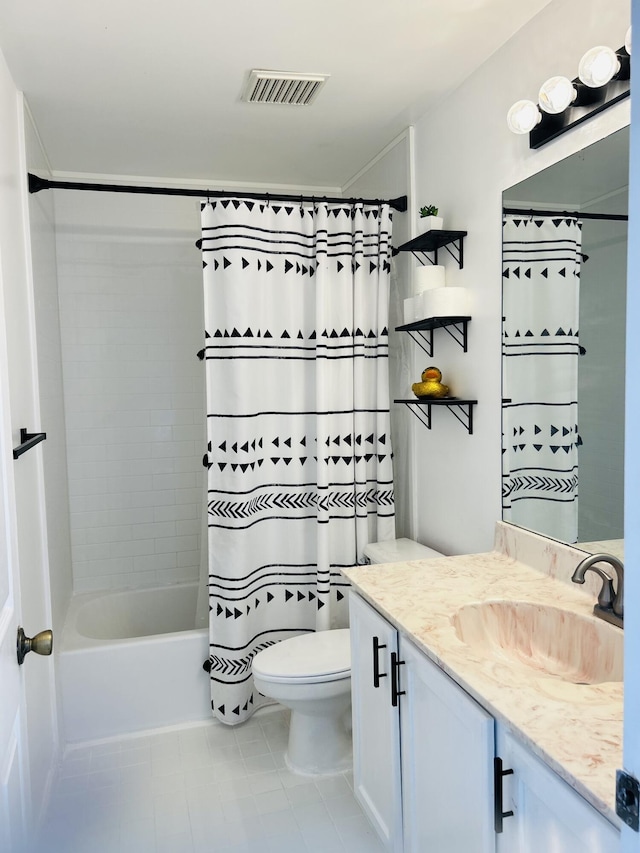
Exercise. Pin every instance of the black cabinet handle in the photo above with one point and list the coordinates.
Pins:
(377, 675)
(498, 774)
(395, 679)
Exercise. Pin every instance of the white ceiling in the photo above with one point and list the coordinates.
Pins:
(152, 87)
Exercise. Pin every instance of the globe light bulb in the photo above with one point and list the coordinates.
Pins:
(598, 66)
(627, 41)
(556, 94)
(523, 116)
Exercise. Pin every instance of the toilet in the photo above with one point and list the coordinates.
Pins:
(311, 675)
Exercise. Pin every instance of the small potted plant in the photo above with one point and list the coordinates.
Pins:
(430, 218)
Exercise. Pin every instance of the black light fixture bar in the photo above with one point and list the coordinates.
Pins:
(37, 183)
(589, 103)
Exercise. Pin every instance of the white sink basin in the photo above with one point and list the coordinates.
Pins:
(554, 642)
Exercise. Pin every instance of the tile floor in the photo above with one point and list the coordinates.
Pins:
(201, 789)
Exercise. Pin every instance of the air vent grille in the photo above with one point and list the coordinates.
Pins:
(283, 87)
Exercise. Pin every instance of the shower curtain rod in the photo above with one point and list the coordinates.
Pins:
(517, 211)
(36, 184)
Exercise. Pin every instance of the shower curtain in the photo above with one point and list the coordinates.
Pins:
(299, 455)
(541, 281)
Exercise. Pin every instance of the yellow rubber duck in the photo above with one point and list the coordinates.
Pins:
(430, 385)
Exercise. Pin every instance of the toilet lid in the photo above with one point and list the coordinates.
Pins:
(308, 656)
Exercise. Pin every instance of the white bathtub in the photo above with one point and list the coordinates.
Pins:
(132, 660)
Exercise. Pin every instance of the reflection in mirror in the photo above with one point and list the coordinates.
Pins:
(564, 292)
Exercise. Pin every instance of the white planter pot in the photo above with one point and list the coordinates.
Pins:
(431, 223)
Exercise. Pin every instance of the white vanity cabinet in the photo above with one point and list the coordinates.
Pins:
(425, 766)
(547, 813)
(447, 749)
(376, 724)
(423, 749)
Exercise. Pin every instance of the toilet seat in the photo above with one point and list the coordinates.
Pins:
(310, 658)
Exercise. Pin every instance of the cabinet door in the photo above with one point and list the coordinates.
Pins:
(548, 815)
(447, 762)
(376, 724)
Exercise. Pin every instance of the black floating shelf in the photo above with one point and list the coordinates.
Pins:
(422, 331)
(461, 409)
(27, 441)
(428, 244)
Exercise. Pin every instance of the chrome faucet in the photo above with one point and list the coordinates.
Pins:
(610, 606)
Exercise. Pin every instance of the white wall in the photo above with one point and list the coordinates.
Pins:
(389, 176)
(465, 158)
(132, 323)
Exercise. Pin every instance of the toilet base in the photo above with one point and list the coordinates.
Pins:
(319, 745)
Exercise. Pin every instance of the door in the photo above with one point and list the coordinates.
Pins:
(376, 723)
(14, 785)
(447, 761)
(546, 814)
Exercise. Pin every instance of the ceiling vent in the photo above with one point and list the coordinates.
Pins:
(283, 87)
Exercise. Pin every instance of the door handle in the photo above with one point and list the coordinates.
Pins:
(498, 775)
(41, 644)
(377, 675)
(395, 679)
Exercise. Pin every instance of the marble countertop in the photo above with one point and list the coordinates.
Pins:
(576, 729)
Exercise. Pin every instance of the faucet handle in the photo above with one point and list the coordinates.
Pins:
(607, 593)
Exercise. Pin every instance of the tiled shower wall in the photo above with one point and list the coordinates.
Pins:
(131, 325)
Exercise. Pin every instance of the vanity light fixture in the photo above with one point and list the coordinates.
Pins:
(598, 66)
(603, 80)
(556, 94)
(523, 117)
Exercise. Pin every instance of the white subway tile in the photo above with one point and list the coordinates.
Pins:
(174, 481)
(177, 511)
(195, 432)
(91, 519)
(115, 533)
(191, 495)
(188, 558)
(87, 486)
(190, 527)
(175, 543)
(103, 567)
(131, 516)
(133, 548)
(130, 485)
(155, 562)
(157, 497)
(154, 530)
(181, 574)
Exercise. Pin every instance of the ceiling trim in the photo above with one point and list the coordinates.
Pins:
(196, 183)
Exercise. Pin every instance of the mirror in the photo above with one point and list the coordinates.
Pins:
(590, 454)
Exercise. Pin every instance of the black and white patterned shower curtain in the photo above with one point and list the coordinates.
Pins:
(299, 454)
(541, 277)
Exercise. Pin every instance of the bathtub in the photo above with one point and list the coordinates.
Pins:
(132, 660)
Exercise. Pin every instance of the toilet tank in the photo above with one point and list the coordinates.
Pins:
(398, 551)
